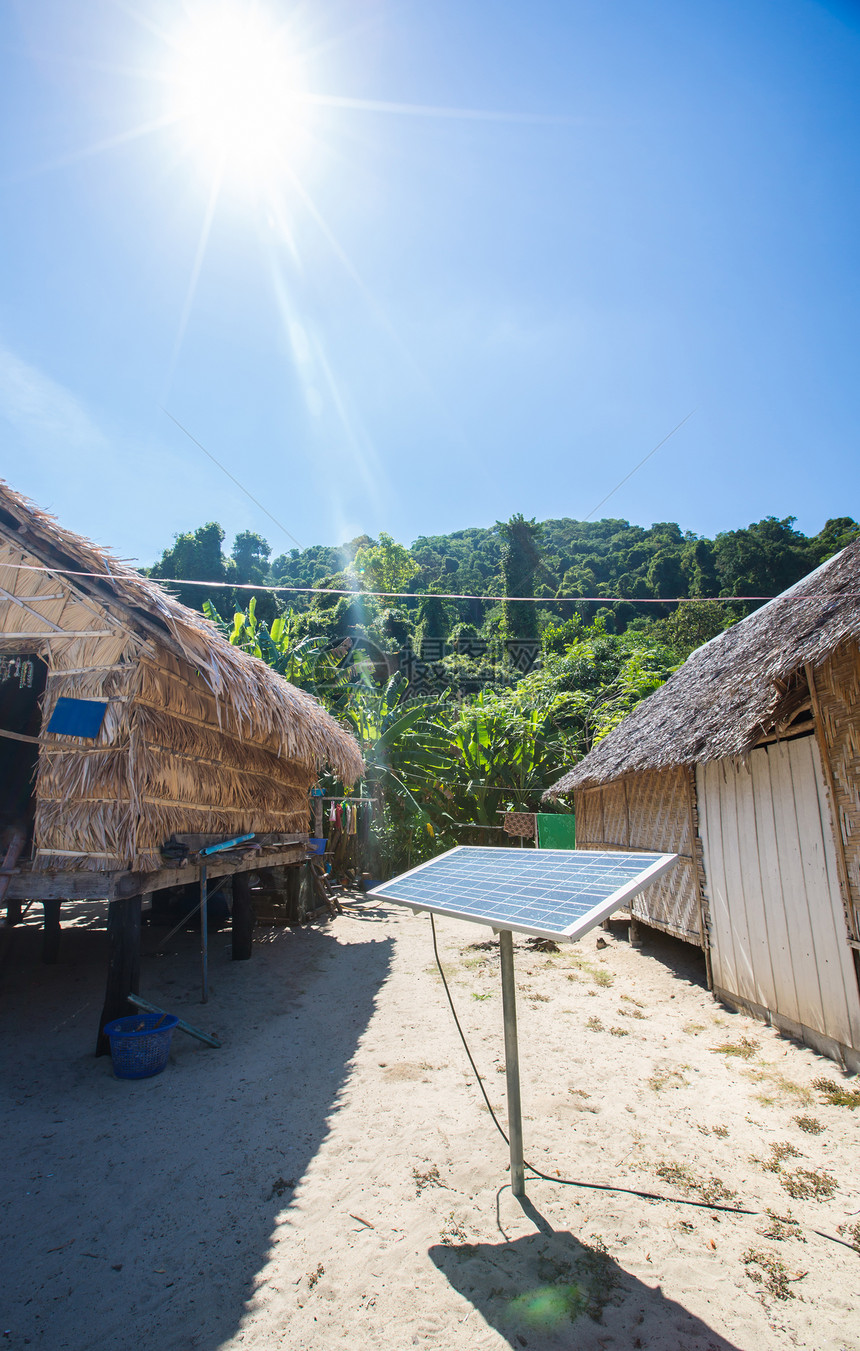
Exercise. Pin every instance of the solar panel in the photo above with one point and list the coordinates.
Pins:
(553, 893)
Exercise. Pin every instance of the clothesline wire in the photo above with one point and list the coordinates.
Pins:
(438, 595)
(328, 797)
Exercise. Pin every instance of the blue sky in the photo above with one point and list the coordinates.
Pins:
(389, 315)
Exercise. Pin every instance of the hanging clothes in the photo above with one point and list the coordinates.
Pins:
(520, 823)
(364, 819)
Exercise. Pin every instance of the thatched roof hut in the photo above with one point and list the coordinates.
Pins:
(747, 764)
(739, 686)
(195, 736)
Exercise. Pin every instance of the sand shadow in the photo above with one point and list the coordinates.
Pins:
(685, 960)
(552, 1291)
(368, 908)
(143, 1211)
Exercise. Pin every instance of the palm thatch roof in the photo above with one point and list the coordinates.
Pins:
(259, 700)
(733, 690)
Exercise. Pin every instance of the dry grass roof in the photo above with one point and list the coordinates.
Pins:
(728, 693)
(260, 699)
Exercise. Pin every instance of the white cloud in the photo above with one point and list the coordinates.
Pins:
(39, 407)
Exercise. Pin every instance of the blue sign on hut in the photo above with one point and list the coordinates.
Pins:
(133, 736)
(746, 764)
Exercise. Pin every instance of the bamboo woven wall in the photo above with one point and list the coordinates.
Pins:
(82, 790)
(161, 765)
(649, 811)
(195, 771)
(838, 685)
(84, 798)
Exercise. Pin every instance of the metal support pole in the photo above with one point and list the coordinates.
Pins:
(512, 1062)
(204, 936)
(162, 942)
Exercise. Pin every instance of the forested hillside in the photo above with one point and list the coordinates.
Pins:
(558, 558)
(466, 699)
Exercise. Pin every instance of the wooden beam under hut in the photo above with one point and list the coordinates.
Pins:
(243, 917)
(123, 976)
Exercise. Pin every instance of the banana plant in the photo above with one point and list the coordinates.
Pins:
(310, 662)
(500, 758)
(402, 740)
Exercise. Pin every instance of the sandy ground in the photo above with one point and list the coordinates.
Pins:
(331, 1178)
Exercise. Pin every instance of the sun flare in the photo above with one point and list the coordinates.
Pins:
(236, 93)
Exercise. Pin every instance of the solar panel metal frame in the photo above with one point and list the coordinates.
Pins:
(659, 864)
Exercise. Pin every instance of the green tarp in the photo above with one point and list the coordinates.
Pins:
(556, 830)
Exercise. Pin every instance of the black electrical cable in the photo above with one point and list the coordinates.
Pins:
(574, 1182)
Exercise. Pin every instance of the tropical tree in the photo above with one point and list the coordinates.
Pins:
(196, 555)
(432, 627)
(250, 554)
(521, 559)
(764, 559)
(385, 566)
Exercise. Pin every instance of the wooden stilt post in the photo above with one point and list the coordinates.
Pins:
(123, 977)
(204, 937)
(243, 917)
(51, 932)
(635, 933)
(13, 853)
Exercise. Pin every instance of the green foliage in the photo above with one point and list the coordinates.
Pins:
(521, 562)
(250, 554)
(196, 555)
(497, 756)
(434, 622)
(596, 680)
(690, 625)
(443, 765)
(311, 663)
(386, 566)
(762, 560)
(837, 534)
(398, 737)
(563, 558)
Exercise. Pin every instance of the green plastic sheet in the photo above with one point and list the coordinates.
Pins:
(556, 830)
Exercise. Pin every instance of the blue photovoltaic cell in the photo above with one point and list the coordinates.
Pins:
(555, 892)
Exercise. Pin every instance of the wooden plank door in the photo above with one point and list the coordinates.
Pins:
(779, 937)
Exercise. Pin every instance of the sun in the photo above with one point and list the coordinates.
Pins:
(235, 92)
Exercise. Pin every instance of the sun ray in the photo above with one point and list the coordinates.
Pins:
(314, 370)
(151, 27)
(431, 110)
(196, 269)
(385, 322)
(79, 62)
(99, 148)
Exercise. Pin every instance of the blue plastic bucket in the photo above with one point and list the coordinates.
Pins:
(139, 1049)
(316, 845)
